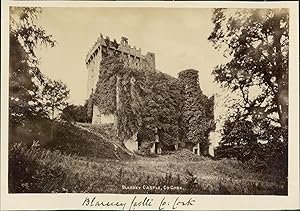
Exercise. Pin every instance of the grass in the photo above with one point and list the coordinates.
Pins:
(36, 169)
(87, 159)
(71, 139)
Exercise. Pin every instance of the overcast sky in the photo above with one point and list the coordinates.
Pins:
(178, 37)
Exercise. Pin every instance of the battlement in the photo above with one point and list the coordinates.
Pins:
(122, 47)
(104, 47)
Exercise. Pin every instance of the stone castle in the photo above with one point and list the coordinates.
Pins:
(104, 46)
(134, 58)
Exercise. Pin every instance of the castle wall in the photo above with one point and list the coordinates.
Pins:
(132, 143)
(93, 71)
(156, 148)
(107, 118)
(133, 56)
(213, 140)
(99, 118)
(152, 149)
(96, 119)
(196, 149)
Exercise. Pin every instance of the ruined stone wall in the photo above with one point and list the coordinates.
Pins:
(96, 115)
(197, 124)
(132, 144)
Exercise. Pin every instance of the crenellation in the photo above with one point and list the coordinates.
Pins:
(102, 45)
(123, 47)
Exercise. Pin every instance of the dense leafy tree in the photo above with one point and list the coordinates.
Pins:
(238, 139)
(75, 113)
(162, 109)
(256, 141)
(53, 98)
(257, 43)
(24, 74)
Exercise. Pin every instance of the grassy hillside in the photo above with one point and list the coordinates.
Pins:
(81, 161)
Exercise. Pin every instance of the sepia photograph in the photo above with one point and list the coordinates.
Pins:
(98, 114)
(148, 100)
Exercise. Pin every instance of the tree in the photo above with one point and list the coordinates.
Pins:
(75, 113)
(245, 139)
(257, 43)
(53, 98)
(24, 73)
(238, 139)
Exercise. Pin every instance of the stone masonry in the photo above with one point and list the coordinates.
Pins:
(102, 47)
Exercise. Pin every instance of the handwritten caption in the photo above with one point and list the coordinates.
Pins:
(137, 203)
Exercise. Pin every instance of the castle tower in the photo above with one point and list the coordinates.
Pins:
(195, 136)
(101, 48)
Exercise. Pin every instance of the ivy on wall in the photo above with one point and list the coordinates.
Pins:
(105, 93)
(197, 110)
(148, 101)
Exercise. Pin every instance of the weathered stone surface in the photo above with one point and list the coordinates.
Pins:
(96, 116)
(132, 143)
(107, 119)
(133, 56)
(196, 149)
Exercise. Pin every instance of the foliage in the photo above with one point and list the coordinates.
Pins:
(129, 102)
(35, 129)
(75, 113)
(197, 110)
(26, 174)
(105, 93)
(89, 107)
(257, 42)
(53, 97)
(257, 142)
(24, 74)
(239, 140)
(146, 101)
(162, 109)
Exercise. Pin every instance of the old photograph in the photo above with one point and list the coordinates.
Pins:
(142, 100)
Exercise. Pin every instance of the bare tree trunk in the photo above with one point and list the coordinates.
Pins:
(52, 125)
(282, 104)
(117, 104)
(281, 74)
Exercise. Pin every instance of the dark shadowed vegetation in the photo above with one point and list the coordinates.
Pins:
(256, 41)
